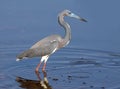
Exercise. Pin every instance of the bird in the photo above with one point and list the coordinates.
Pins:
(50, 44)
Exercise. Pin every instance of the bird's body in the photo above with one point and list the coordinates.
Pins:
(47, 46)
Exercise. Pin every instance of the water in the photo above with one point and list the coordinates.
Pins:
(90, 61)
(69, 68)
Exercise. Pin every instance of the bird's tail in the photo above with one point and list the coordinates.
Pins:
(26, 54)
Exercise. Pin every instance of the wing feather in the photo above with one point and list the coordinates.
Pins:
(46, 46)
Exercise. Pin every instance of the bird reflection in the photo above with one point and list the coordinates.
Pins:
(34, 84)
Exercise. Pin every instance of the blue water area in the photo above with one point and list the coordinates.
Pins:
(68, 68)
(90, 61)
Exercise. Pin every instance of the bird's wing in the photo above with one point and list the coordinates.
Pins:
(54, 45)
(46, 48)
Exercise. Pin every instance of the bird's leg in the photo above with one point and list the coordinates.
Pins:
(38, 75)
(37, 68)
(45, 60)
(44, 66)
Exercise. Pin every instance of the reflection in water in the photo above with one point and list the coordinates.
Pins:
(34, 84)
(73, 68)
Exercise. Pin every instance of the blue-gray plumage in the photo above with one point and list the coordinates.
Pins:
(47, 46)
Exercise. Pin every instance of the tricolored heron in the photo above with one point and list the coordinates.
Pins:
(47, 46)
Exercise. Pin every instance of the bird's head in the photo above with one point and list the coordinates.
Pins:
(70, 14)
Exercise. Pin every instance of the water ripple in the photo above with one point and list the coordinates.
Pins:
(68, 65)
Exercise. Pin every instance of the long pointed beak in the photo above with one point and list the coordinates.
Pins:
(77, 17)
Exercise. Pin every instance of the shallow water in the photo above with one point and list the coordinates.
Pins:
(68, 68)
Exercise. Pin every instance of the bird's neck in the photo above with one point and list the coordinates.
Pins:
(66, 26)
